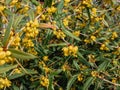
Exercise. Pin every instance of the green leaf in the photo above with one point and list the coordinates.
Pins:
(88, 83)
(76, 65)
(31, 14)
(7, 32)
(17, 21)
(105, 23)
(8, 12)
(47, 3)
(51, 78)
(17, 75)
(102, 66)
(54, 45)
(36, 3)
(82, 59)
(58, 71)
(15, 87)
(21, 55)
(68, 32)
(89, 15)
(7, 1)
(6, 68)
(71, 81)
(60, 6)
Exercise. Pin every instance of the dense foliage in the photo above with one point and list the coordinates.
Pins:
(59, 44)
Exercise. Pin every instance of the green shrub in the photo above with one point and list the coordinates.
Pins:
(59, 45)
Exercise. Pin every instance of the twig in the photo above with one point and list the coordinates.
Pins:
(22, 67)
(116, 84)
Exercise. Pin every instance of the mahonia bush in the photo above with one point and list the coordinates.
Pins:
(59, 44)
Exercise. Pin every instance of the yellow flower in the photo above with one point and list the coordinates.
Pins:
(65, 22)
(67, 1)
(7, 82)
(94, 11)
(17, 70)
(93, 38)
(114, 35)
(45, 58)
(80, 77)
(38, 9)
(76, 33)
(44, 81)
(94, 73)
(2, 55)
(52, 9)
(65, 51)
(2, 8)
(4, 83)
(114, 80)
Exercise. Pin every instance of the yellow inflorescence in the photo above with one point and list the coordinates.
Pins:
(51, 10)
(31, 32)
(5, 56)
(70, 50)
(104, 47)
(45, 58)
(2, 8)
(76, 33)
(59, 34)
(39, 9)
(80, 77)
(4, 82)
(94, 73)
(90, 40)
(114, 35)
(44, 81)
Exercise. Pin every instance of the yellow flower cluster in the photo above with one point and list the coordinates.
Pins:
(90, 40)
(104, 47)
(94, 12)
(76, 33)
(15, 40)
(114, 80)
(30, 29)
(4, 82)
(44, 81)
(114, 35)
(94, 73)
(51, 10)
(44, 66)
(59, 34)
(17, 70)
(80, 77)
(31, 32)
(87, 3)
(65, 67)
(2, 8)
(32, 50)
(5, 56)
(24, 10)
(13, 2)
(66, 20)
(39, 9)
(45, 58)
(91, 58)
(70, 50)
(66, 2)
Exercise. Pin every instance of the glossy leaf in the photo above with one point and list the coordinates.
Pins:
(88, 83)
(21, 55)
(7, 32)
(6, 68)
(71, 81)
